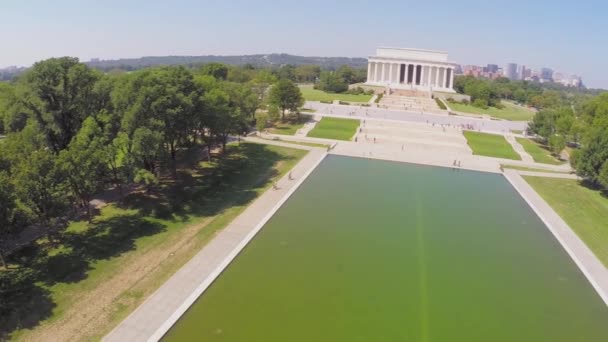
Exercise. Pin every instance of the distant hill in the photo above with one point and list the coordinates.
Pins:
(271, 60)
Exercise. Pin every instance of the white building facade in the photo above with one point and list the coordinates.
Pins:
(411, 69)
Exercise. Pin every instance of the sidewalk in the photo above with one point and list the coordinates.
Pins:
(584, 258)
(155, 316)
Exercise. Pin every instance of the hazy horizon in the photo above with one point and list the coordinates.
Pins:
(565, 37)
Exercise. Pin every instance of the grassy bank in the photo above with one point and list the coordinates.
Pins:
(290, 125)
(490, 145)
(311, 94)
(81, 286)
(334, 128)
(585, 210)
(511, 111)
(539, 153)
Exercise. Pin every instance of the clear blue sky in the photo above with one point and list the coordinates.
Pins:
(569, 36)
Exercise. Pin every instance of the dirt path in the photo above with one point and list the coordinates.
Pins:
(91, 314)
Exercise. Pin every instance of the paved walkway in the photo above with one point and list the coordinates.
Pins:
(519, 149)
(548, 174)
(308, 126)
(154, 317)
(486, 125)
(594, 270)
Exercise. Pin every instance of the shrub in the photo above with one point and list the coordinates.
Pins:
(440, 104)
(499, 105)
(465, 102)
(356, 91)
(379, 97)
(325, 101)
(480, 103)
(344, 103)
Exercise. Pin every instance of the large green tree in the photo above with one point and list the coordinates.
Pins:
(287, 96)
(58, 94)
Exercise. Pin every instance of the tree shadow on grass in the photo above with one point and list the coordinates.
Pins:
(25, 299)
(595, 187)
(231, 180)
(23, 303)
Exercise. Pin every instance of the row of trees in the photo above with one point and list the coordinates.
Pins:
(583, 125)
(485, 92)
(339, 80)
(73, 131)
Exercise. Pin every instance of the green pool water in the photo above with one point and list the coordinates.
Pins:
(381, 251)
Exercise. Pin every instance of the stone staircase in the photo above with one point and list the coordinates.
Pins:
(409, 103)
(414, 135)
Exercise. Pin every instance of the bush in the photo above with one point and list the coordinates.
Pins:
(325, 101)
(480, 103)
(440, 104)
(356, 91)
(379, 97)
(465, 102)
(344, 103)
(499, 105)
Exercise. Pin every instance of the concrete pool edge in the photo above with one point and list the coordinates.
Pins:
(579, 252)
(133, 327)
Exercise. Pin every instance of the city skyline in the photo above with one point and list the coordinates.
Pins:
(116, 30)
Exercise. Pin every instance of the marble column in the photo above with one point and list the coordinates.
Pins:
(390, 73)
(445, 78)
(383, 73)
(415, 74)
(452, 78)
(377, 73)
(437, 69)
(369, 71)
(422, 75)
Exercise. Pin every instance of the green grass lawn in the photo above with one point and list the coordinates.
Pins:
(490, 145)
(585, 210)
(334, 128)
(311, 94)
(523, 168)
(539, 153)
(290, 126)
(160, 231)
(511, 111)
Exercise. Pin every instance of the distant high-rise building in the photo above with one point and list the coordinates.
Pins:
(546, 74)
(511, 71)
(493, 68)
(521, 74)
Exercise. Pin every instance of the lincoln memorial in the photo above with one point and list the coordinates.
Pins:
(414, 69)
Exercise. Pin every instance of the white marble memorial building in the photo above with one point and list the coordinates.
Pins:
(414, 69)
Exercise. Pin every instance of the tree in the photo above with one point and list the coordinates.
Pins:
(287, 96)
(557, 143)
(57, 93)
(603, 175)
(274, 113)
(287, 72)
(217, 70)
(84, 163)
(331, 82)
(260, 123)
(12, 216)
(307, 73)
(40, 186)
